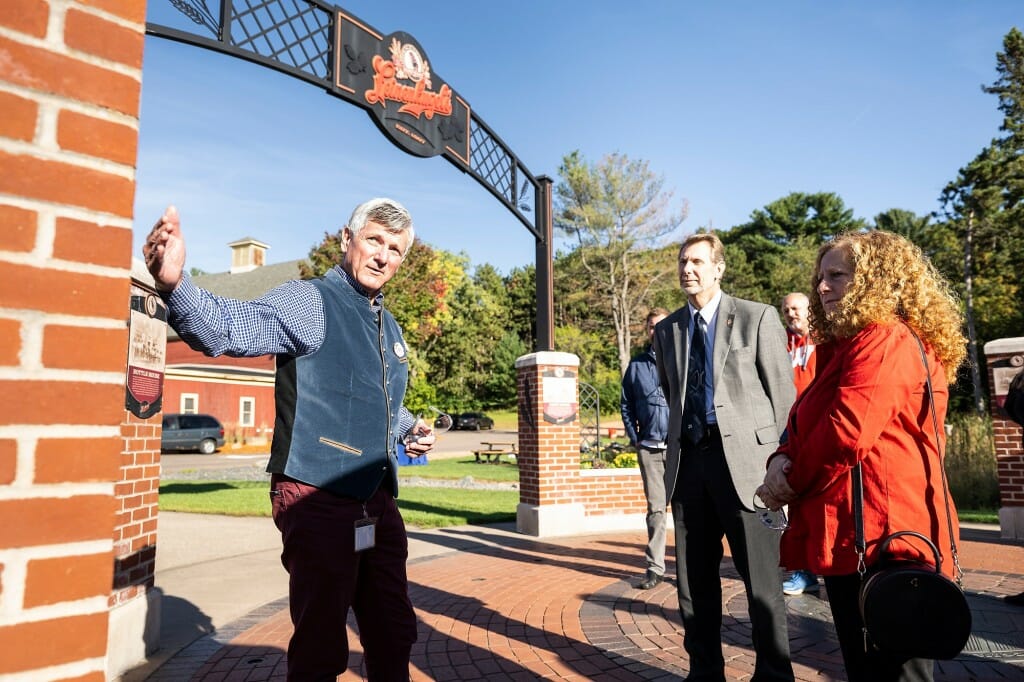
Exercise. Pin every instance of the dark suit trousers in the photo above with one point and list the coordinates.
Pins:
(327, 577)
(706, 509)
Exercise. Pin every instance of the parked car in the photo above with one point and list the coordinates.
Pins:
(473, 421)
(192, 432)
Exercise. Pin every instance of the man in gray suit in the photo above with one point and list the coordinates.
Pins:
(724, 369)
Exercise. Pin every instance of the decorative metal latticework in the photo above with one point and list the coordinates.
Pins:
(500, 171)
(290, 33)
(590, 420)
(297, 37)
(292, 36)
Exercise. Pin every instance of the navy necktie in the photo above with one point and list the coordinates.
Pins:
(696, 381)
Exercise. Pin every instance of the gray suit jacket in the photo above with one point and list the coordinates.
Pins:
(753, 387)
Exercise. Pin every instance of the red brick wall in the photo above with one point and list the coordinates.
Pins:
(137, 500)
(137, 490)
(69, 95)
(528, 413)
(611, 491)
(1004, 358)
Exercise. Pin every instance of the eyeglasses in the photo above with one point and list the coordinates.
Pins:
(776, 520)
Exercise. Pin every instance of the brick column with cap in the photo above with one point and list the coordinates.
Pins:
(1005, 358)
(549, 443)
(557, 497)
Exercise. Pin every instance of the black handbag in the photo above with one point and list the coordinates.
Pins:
(909, 608)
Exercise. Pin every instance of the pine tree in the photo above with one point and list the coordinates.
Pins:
(985, 205)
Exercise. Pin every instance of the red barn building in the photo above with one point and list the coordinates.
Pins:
(237, 391)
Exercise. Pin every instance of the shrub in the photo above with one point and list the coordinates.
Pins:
(971, 462)
(614, 454)
(625, 460)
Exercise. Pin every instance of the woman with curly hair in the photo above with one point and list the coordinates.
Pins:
(872, 292)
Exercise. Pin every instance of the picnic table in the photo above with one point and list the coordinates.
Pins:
(493, 450)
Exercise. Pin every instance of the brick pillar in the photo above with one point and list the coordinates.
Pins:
(549, 444)
(69, 95)
(1005, 358)
(134, 604)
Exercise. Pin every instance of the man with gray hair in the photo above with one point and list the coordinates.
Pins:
(342, 370)
(795, 310)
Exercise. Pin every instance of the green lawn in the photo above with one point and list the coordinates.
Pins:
(978, 515)
(461, 467)
(233, 498)
(421, 507)
(442, 507)
(506, 420)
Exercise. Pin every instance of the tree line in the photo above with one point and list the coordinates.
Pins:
(467, 325)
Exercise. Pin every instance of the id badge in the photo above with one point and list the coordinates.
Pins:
(366, 533)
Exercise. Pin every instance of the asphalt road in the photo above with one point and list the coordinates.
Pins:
(450, 444)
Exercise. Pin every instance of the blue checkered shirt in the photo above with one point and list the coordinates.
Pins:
(288, 319)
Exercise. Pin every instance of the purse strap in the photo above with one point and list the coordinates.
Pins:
(858, 482)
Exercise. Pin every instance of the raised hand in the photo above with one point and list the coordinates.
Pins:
(164, 250)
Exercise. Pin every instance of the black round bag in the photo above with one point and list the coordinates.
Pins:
(911, 609)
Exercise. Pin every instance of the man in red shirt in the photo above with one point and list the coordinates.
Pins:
(801, 354)
(798, 339)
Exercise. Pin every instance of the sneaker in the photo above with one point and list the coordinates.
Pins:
(800, 582)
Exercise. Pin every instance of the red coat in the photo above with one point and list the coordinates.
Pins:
(868, 403)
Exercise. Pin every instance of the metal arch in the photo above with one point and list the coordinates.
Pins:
(296, 37)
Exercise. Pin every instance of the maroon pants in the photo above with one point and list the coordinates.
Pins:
(327, 576)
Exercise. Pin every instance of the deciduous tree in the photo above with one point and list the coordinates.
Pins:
(773, 254)
(615, 210)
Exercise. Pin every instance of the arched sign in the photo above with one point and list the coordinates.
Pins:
(392, 78)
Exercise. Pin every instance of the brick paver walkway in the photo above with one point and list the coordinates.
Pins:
(564, 609)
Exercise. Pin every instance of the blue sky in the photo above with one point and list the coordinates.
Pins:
(735, 103)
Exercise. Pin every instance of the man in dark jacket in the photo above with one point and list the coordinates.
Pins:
(645, 416)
